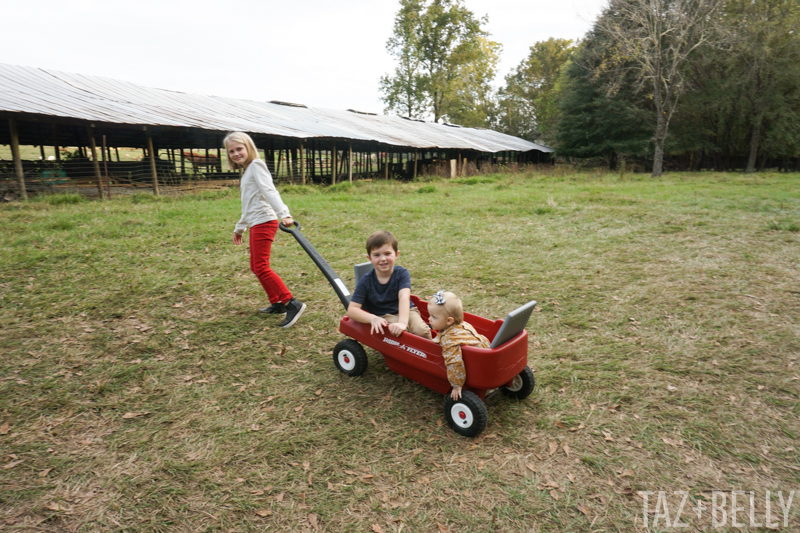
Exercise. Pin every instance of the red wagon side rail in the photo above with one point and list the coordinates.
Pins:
(421, 360)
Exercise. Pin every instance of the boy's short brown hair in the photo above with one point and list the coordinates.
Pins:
(381, 238)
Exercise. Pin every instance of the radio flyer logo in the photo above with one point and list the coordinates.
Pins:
(409, 349)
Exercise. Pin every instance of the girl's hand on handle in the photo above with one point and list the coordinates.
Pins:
(237, 238)
(287, 221)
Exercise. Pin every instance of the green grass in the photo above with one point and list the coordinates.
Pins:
(141, 391)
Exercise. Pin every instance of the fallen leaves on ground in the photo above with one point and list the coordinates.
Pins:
(12, 464)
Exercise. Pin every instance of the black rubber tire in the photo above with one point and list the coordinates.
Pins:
(350, 358)
(467, 416)
(522, 387)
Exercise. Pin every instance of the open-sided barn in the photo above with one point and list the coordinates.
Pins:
(52, 109)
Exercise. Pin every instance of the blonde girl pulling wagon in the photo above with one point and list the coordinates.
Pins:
(261, 208)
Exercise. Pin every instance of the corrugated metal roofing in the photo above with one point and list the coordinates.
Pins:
(92, 98)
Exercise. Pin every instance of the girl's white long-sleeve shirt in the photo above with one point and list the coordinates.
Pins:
(261, 201)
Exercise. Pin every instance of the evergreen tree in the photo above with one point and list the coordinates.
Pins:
(590, 121)
(766, 55)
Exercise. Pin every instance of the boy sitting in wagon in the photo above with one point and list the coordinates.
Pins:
(383, 296)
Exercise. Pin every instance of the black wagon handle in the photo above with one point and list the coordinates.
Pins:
(330, 274)
(291, 229)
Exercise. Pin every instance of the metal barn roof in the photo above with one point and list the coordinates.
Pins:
(36, 91)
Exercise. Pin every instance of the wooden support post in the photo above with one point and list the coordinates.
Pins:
(334, 157)
(350, 162)
(302, 164)
(183, 158)
(152, 162)
(56, 147)
(105, 167)
(12, 124)
(386, 159)
(95, 162)
(313, 163)
(416, 158)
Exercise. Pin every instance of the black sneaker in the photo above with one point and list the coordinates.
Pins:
(294, 308)
(274, 309)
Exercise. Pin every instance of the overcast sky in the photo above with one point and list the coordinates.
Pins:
(316, 52)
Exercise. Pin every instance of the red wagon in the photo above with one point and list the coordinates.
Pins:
(503, 367)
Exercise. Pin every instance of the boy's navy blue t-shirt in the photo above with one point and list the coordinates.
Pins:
(380, 299)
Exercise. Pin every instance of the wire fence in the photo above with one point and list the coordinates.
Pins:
(189, 168)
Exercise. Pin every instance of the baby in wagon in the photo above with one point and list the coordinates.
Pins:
(447, 318)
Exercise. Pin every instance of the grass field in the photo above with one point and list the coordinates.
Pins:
(141, 391)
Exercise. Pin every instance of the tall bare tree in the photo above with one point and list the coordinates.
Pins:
(655, 38)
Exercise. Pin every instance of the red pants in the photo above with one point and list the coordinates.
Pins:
(261, 239)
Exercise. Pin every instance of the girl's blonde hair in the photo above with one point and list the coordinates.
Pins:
(241, 138)
(451, 305)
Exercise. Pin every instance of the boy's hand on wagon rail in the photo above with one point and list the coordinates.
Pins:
(377, 324)
(397, 328)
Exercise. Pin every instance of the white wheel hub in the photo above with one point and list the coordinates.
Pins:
(346, 360)
(462, 415)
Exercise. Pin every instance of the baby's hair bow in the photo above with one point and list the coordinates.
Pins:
(438, 298)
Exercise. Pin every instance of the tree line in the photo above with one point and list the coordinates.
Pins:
(684, 84)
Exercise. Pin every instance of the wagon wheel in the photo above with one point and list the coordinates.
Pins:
(349, 357)
(522, 385)
(467, 415)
